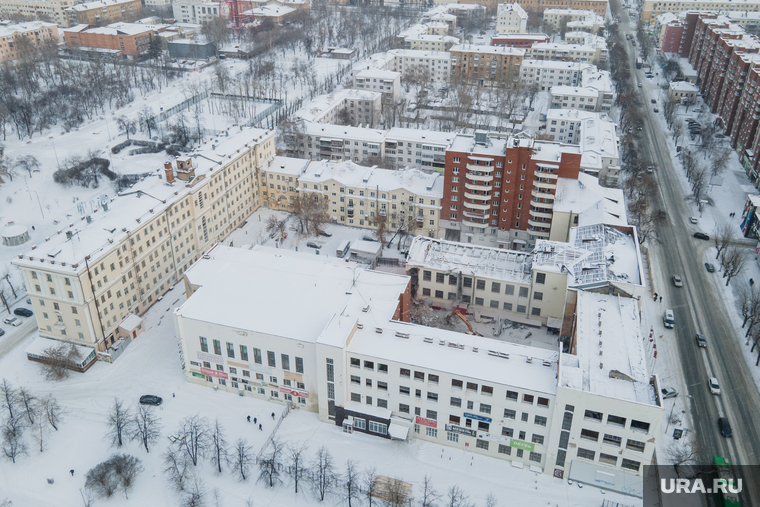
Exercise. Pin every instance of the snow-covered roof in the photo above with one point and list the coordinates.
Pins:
(284, 293)
(565, 12)
(573, 115)
(433, 38)
(465, 143)
(272, 11)
(287, 165)
(592, 202)
(513, 7)
(323, 104)
(108, 228)
(367, 247)
(121, 29)
(328, 130)
(530, 63)
(548, 151)
(356, 176)
(610, 359)
(420, 53)
(373, 73)
(25, 27)
(417, 29)
(469, 259)
(422, 136)
(131, 322)
(576, 91)
(683, 86)
(553, 46)
(499, 50)
(375, 61)
(12, 231)
(97, 4)
(522, 36)
(40, 344)
(458, 354)
(597, 79)
(598, 142)
(615, 256)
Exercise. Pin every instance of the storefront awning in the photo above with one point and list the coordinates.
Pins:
(398, 432)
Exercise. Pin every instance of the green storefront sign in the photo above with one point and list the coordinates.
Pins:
(199, 375)
(520, 444)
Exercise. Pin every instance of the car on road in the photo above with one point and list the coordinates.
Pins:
(640, 85)
(23, 312)
(2, 332)
(311, 244)
(709, 267)
(656, 110)
(701, 341)
(669, 392)
(677, 281)
(150, 399)
(668, 320)
(714, 386)
(692, 220)
(725, 427)
(702, 235)
(12, 321)
(639, 128)
(654, 101)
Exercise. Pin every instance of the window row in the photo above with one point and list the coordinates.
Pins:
(609, 459)
(591, 415)
(257, 357)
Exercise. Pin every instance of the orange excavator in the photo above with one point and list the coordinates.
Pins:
(470, 330)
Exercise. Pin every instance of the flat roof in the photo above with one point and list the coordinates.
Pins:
(25, 27)
(592, 202)
(328, 130)
(435, 38)
(97, 4)
(615, 256)
(610, 359)
(287, 165)
(499, 50)
(577, 91)
(554, 64)
(420, 53)
(289, 294)
(683, 86)
(121, 29)
(108, 228)
(468, 259)
(378, 73)
(423, 136)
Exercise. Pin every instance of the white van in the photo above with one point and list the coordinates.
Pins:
(669, 319)
(343, 248)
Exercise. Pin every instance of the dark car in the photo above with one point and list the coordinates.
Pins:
(2, 332)
(725, 427)
(702, 235)
(23, 312)
(325, 234)
(150, 399)
(311, 244)
(709, 267)
(701, 341)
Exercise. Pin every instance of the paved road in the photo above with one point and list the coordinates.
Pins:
(698, 308)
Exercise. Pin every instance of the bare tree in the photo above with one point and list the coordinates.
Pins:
(457, 498)
(699, 183)
(28, 163)
(370, 485)
(126, 125)
(147, 427)
(719, 159)
(270, 464)
(276, 227)
(126, 468)
(53, 411)
(101, 480)
(296, 458)
(146, 120)
(732, 261)
(429, 495)
(58, 360)
(395, 492)
(491, 500)
(13, 439)
(120, 424)
(351, 484)
(195, 492)
(243, 458)
(723, 235)
(323, 472)
(193, 436)
(29, 404)
(682, 457)
(40, 428)
(9, 398)
(177, 467)
(310, 213)
(219, 446)
(382, 232)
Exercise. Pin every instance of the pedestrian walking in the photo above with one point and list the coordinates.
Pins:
(249, 418)
(71, 472)
(751, 282)
(273, 412)
(260, 428)
(255, 420)
(660, 299)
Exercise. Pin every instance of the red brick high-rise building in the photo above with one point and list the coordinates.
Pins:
(500, 192)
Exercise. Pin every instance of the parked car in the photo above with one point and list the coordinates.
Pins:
(650, 169)
(640, 85)
(12, 321)
(709, 267)
(668, 319)
(725, 427)
(702, 235)
(677, 281)
(28, 301)
(23, 312)
(669, 392)
(150, 399)
(325, 234)
(654, 101)
(311, 244)
(369, 238)
(2, 332)
(656, 110)
(714, 387)
(701, 341)
(692, 220)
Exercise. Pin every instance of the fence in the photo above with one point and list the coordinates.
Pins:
(182, 106)
(274, 431)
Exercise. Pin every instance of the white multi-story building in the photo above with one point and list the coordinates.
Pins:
(352, 107)
(430, 42)
(553, 18)
(361, 196)
(433, 64)
(564, 125)
(195, 11)
(511, 18)
(43, 10)
(387, 82)
(549, 73)
(567, 52)
(574, 97)
(353, 357)
(39, 34)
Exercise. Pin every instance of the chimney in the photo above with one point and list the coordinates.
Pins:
(185, 169)
(169, 172)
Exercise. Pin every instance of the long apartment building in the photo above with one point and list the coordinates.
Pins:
(353, 357)
(127, 39)
(554, 18)
(119, 258)
(500, 192)
(38, 34)
(727, 62)
(361, 196)
(346, 107)
(486, 65)
(434, 65)
(653, 8)
(567, 52)
(549, 73)
(519, 40)
(600, 7)
(103, 12)
(53, 11)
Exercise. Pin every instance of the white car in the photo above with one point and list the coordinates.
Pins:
(714, 387)
(12, 321)
(692, 220)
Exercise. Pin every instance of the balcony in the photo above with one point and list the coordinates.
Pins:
(545, 205)
(539, 234)
(474, 205)
(534, 223)
(543, 174)
(480, 188)
(542, 195)
(482, 168)
(478, 217)
(539, 214)
(478, 177)
(478, 225)
(478, 197)
(541, 184)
